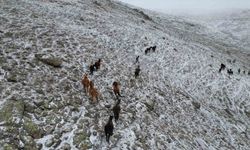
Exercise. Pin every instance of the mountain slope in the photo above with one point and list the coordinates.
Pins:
(180, 101)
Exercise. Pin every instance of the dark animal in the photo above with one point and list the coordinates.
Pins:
(147, 51)
(229, 71)
(137, 71)
(222, 67)
(98, 64)
(244, 72)
(91, 69)
(239, 70)
(153, 48)
(116, 88)
(109, 127)
(116, 110)
(248, 72)
(137, 59)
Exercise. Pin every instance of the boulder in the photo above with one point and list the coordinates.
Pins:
(196, 105)
(55, 62)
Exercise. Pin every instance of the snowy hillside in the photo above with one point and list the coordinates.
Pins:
(179, 101)
(234, 25)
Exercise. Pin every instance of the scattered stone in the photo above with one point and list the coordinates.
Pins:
(49, 142)
(58, 142)
(150, 104)
(55, 62)
(66, 146)
(12, 78)
(247, 111)
(196, 105)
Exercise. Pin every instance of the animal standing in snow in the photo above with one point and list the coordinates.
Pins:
(230, 71)
(137, 71)
(109, 127)
(98, 64)
(154, 48)
(93, 92)
(116, 88)
(92, 69)
(147, 51)
(116, 110)
(239, 71)
(86, 83)
(222, 67)
(137, 59)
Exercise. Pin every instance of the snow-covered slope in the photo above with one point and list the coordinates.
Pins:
(179, 101)
(234, 25)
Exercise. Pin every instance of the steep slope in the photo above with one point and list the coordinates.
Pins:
(233, 26)
(180, 101)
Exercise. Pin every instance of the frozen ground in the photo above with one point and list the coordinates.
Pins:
(180, 101)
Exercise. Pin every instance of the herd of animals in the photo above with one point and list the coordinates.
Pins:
(230, 71)
(92, 91)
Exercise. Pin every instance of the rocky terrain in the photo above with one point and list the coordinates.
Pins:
(179, 101)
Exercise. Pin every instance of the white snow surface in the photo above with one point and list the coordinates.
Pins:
(82, 31)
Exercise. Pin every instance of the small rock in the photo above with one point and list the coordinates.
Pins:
(247, 111)
(150, 104)
(49, 142)
(169, 140)
(58, 142)
(196, 105)
(66, 146)
(12, 78)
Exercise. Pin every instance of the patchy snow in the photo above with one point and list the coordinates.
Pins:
(158, 108)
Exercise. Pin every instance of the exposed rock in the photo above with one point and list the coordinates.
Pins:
(7, 146)
(196, 105)
(12, 78)
(3, 60)
(55, 62)
(33, 129)
(49, 129)
(150, 104)
(247, 111)
(66, 146)
(80, 138)
(49, 142)
(29, 142)
(57, 143)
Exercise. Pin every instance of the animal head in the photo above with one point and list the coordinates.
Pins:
(115, 83)
(110, 117)
(85, 75)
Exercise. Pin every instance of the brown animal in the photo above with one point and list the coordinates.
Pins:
(93, 92)
(98, 64)
(86, 83)
(116, 88)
